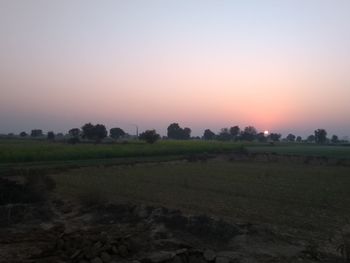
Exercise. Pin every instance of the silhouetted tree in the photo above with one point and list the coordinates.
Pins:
(320, 136)
(116, 133)
(261, 137)
(36, 133)
(174, 131)
(311, 138)
(50, 135)
(23, 134)
(94, 132)
(249, 133)
(150, 136)
(275, 137)
(299, 139)
(234, 132)
(75, 132)
(177, 133)
(186, 133)
(208, 135)
(290, 137)
(224, 135)
(335, 139)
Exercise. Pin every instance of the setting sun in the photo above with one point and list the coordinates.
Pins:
(266, 132)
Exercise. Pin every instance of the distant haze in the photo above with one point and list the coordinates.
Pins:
(281, 66)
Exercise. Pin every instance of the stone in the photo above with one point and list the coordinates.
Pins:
(209, 255)
(161, 256)
(141, 211)
(346, 240)
(196, 259)
(229, 254)
(76, 254)
(60, 244)
(115, 250)
(95, 250)
(123, 251)
(222, 260)
(160, 232)
(96, 260)
(181, 251)
(177, 259)
(106, 258)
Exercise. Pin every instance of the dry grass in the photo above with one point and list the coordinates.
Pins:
(312, 198)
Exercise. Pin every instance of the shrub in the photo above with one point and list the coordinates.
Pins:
(150, 136)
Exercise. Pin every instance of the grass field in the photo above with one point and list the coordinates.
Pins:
(310, 198)
(304, 149)
(36, 151)
(21, 151)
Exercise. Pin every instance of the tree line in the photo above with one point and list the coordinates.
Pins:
(98, 132)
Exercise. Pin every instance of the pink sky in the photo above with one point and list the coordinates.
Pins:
(279, 67)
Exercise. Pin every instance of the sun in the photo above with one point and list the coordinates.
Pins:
(266, 132)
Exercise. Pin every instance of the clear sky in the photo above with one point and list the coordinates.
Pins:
(281, 66)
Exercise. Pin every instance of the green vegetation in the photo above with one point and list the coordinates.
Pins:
(18, 151)
(309, 198)
(303, 149)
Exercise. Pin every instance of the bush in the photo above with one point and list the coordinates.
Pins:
(150, 136)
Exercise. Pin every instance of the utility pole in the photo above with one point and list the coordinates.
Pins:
(137, 129)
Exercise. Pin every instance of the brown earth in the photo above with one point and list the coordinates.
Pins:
(36, 226)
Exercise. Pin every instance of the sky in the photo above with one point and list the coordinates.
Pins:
(281, 66)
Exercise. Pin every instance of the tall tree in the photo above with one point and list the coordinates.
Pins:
(335, 139)
(320, 136)
(36, 133)
(290, 137)
(261, 137)
(234, 131)
(208, 135)
(23, 134)
(224, 134)
(178, 133)
(311, 138)
(186, 133)
(94, 132)
(116, 133)
(150, 136)
(51, 135)
(249, 133)
(75, 132)
(174, 131)
(275, 137)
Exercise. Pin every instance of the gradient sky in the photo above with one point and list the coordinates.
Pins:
(281, 66)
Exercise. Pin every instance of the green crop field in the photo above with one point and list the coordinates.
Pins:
(18, 151)
(303, 149)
